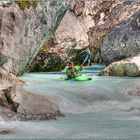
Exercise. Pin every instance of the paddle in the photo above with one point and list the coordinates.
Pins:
(85, 59)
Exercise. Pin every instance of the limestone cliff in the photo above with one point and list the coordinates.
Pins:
(96, 25)
(23, 31)
(122, 41)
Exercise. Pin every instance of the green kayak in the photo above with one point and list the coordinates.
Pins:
(78, 78)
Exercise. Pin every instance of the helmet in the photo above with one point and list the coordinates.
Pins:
(70, 62)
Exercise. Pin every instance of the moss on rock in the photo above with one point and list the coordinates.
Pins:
(131, 69)
(23, 4)
(117, 70)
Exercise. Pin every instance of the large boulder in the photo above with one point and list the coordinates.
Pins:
(127, 67)
(17, 103)
(116, 27)
(24, 27)
(34, 106)
(122, 41)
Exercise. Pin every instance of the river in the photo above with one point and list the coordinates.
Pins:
(100, 108)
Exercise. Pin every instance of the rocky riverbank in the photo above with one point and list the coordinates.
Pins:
(17, 103)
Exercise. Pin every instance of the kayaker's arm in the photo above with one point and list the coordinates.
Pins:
(79, 68)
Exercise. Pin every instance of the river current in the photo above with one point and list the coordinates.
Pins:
(100, 108)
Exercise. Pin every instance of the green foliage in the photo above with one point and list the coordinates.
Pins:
(24, 4)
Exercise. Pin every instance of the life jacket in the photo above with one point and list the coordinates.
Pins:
(73, 72)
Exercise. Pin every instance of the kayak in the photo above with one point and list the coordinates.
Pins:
(78, 78)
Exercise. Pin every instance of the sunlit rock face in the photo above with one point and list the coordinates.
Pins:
(87, 23)
(23, 31)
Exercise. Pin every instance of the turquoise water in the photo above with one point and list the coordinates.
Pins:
(100, 108)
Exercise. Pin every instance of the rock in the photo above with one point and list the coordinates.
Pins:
(131, 69)
(127, 67)
(34, 106)
(24, 31)
(131, 89)
(3, 59)
(8, 115)
(114, 32)
(5, 132)
(122, 41)
(19, 104)
(8, 79)
(117, 70)
(47, 62)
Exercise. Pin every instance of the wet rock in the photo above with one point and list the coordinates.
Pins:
(34, 106)
(91, 98)
(127, 67)
(5, 132)
(19, 104)
(6, 115)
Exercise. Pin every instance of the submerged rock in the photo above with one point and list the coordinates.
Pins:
(131, 89)
(127, 67)
(5, 132)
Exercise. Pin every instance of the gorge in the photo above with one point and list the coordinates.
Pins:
(38, 37)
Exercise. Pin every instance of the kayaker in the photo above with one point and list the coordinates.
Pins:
(72, 71)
